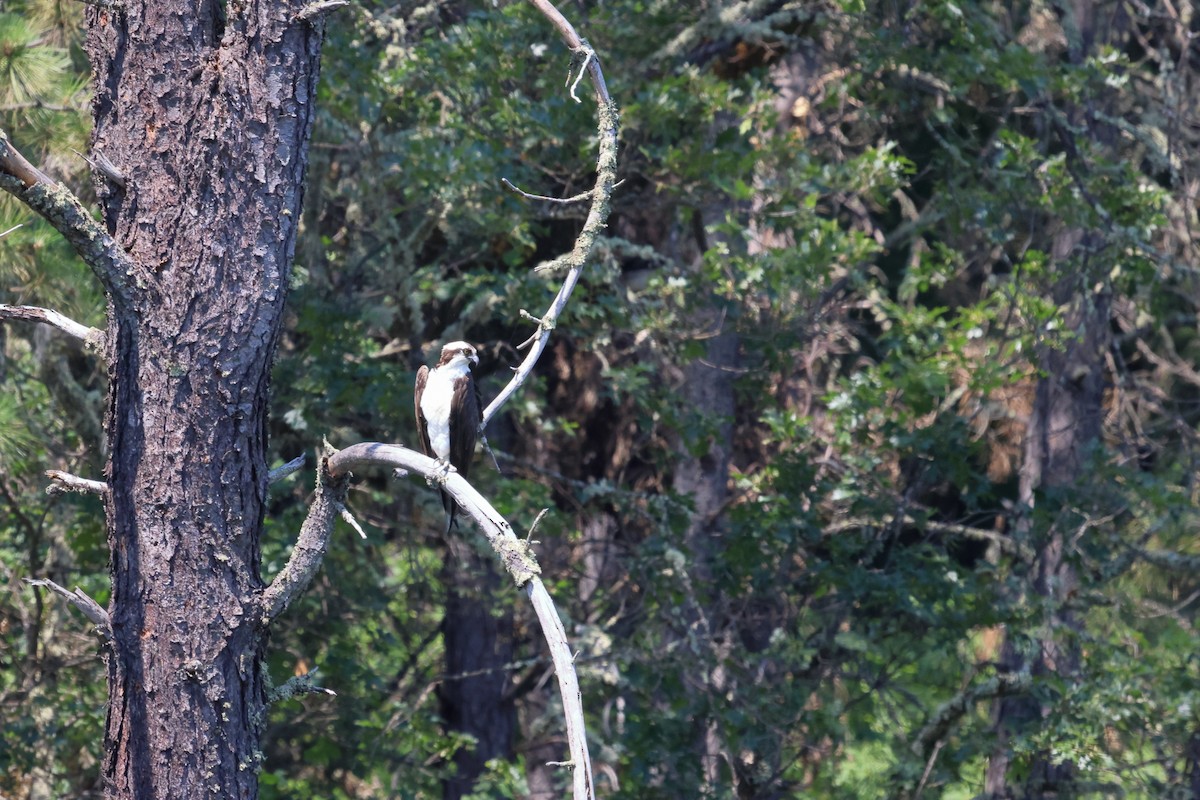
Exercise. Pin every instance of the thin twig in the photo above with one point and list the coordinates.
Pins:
(345, 514)
(536, 520)
(105, 167)
(78, 598)
(937, 748)
(488, 449)
(588, 55)
(544, 325)
(290, 468)
(579, 198)
(92, 338)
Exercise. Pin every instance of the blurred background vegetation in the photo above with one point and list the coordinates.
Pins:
(869, 438)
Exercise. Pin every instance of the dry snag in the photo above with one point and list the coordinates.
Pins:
(513, 552)
(195, 263)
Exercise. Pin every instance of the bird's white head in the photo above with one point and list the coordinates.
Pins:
(456, 354)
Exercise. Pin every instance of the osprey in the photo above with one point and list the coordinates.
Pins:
(449, 413)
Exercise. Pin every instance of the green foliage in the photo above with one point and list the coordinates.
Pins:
(896, 213)
(51, 674)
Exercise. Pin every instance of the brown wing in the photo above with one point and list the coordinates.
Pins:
(467, 415)
(422, 425)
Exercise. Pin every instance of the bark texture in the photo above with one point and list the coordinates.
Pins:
(207, 109)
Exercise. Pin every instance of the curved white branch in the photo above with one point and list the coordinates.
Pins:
(514, 552)
(521, 564)
(568, 688)
(539, 340)
(606, 175)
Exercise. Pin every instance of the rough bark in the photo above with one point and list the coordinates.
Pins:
(207, 110)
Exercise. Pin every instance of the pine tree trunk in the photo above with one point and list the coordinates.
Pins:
(206, 108)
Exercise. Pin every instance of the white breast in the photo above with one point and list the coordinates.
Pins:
(435, 405)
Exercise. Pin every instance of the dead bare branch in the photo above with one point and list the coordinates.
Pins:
(310, 547)
(313, 10)
(105, 167)
(579, 198)
(349, 519)
(597, 218)
(951, 711)
(63, 482)
(78, 598)
(1006, 544)
(719, 19)
(513, 552)
(518, 560)
(14, 164)
(296, 686)
(568, 688)
(92, 338)
(1170, 561)
(291, 467)
(55, 203)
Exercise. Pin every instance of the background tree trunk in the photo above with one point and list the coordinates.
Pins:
(1066, 424)
(478, 638)
(207, 110)
(703, 476)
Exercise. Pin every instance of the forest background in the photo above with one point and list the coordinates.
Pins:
(869, 438)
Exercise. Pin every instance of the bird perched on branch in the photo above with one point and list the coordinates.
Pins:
(449, 413)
